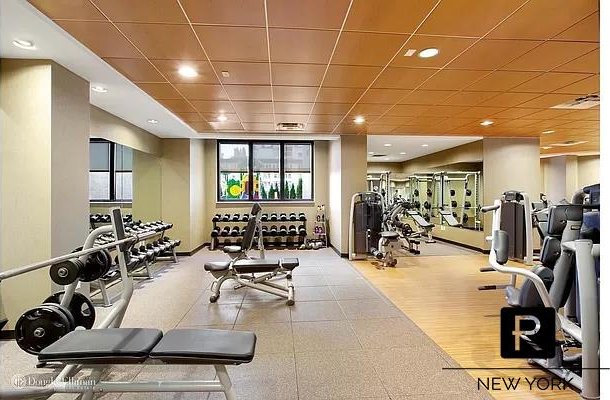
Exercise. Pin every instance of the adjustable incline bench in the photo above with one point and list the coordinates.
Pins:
(423, 224)
(108, 344)
(450, 219)
(244, 270)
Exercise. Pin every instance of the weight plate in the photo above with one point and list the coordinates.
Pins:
(66, 272)
(65, 311)
(80, 307)
(96, 266)
(39, 327)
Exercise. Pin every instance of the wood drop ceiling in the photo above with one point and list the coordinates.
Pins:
(324, 62)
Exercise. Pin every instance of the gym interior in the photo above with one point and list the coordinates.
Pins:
(317, 199)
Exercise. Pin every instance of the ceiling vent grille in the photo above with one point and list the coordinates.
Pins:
(581, 103)
(290, 126)
(379, 155)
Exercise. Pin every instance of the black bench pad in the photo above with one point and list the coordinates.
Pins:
(253, 266)
(389, 235)
(232, 249)
(103, 346)
(205, 346)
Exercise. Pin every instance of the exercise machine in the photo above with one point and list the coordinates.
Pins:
(425, 227)
(108, 344)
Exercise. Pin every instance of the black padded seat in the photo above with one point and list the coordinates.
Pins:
(389, 235)
(205, 346)
(232, 249)
(253, 266)
(215, 266)
(289, 263)
(103, 346)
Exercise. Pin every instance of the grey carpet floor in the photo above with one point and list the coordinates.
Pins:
(341, 340)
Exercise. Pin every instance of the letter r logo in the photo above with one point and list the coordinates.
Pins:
(527, 332)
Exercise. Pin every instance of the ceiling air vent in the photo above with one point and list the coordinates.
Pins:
(581, 103)
(379, 155)
(290, 126)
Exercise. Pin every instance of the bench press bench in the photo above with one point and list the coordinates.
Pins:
(423, 224)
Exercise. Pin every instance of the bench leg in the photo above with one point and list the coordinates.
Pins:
(224, 379)
(216, 285)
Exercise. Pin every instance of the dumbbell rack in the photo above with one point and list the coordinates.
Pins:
(100, 287)
(268, 240)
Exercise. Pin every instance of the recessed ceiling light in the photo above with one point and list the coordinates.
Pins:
(546, 147)
(371, 152)
(549, 131)
(387, 145)
(403, 153)
(24, 44)
(152, 121)
(359, 119)
(487, 123)
(410, 52)
(99, 89)
(424, 145)
(187, 71)
(569, 143)
(222, 118)
(225, 74)
(427, 53)
(386, 159)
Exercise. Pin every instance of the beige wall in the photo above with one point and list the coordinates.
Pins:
(588, 170)
(334, 193)
(373, 167)
(353, 180)
(146, 204)
(44, 206)
(562, 176)
(198, 187)
(107, 126)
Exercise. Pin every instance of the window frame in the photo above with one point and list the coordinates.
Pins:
(251, 144)
(111, 172)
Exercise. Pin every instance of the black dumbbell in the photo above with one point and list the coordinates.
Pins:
(225, 231)
(236, 217)
(226, 217)
(215, 232)
(245, 217)
(216, 218)
(429, 193)
(273, 217)
(243, 231)
(453, 203)
(468, 192)
(464, 218)
(427, 205)
(141, 257)
(427, 217)
(451, 192)
(235, 231)
(283, 217)
(454, 214)
(292, 217)
(283, 231)
(416, 193)
(150, 254)
(154, 248)
(417, 204)
(302, 230)
(302, 217)
(292, 230)
(273, 230)
(265, 231)
(264, 217)
(467, 204)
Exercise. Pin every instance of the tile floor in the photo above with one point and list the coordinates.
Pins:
(341, 340)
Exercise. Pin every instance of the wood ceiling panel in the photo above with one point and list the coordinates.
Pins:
(515, 123)
(223, 12)
(295, 93)
(259, 127)
(243, 73)
(383, 96)
(350, 76)
(510, 99)
(190, 117)
(166, 11)
(160, 90)
(227, 126)
(502, 80)
(317, 14)
(555, 115)
(469, 98)
(177, 105)
(581, 125)
(482, 16)
(370, 109)
(292, 108)
(326, 119)
(301, 46)
(319, 128)
(201, 126)
(387, 15)
(296, 118)
(136, 69)
(543, 19)
(169, 68)
(427, 96)
(452, 79)
(588, 115)
(378, 129)
(407, 110)
(101, 37)
(356, 48)
(213, 117)
(229, 43)
(68, 9)
(515, 113)
(585, 30)
(480, 112)
(253, 107)
(402, 78)
(393, 120)
(198, 91)
(260, 118)
(549, 82)
(331, 108)
(444, 111)
(209, 106)
(547, 100)
(297, 74)
(164, 41)
(449, 48)
(550, 55)
(587, 63)
(339, 95)
(490, 54)
(249, 92)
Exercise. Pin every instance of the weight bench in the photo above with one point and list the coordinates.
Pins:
(100, 348)
(423, 224)
(244, 273)
(450, 219)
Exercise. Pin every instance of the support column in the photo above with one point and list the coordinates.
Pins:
(44, 173)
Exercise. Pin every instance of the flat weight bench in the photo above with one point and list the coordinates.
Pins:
(450, 219)
(244, 272)
(112, 346)
(423, 224)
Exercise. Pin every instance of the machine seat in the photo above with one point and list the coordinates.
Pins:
(232, 249)
(103, 346)
(389, 235)
(253, 266)
(205, 346)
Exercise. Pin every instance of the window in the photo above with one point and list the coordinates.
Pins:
(265, 171)
(110, 171)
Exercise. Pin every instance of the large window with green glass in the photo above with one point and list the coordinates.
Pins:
(265, 170)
